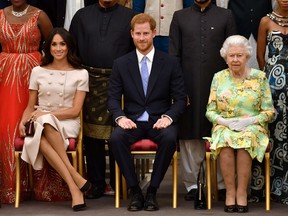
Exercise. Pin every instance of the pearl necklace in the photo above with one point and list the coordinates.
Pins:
(21, 13)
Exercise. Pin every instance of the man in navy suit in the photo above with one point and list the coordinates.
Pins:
(146, 114)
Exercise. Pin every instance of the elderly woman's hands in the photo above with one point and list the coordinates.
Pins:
(241, 124)
(237, 124)
(226, 122)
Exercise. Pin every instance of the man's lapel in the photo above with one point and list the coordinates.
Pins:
(155, 72)
(134, 71)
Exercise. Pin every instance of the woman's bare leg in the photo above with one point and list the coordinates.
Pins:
(55, 140)
(57, 163)
(244, 163)
(227, 165)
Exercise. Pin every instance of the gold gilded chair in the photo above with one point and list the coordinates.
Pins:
(75, 149)
(214, 176)
(144, 149)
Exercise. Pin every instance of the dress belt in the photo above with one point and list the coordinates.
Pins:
(97, 72)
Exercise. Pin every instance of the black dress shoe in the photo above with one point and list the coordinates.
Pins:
(86, 187)
(79, 207)
(94, 192)
(190, 195)
(136, 203)
(242, 209)
(230, 208)
(150, 203)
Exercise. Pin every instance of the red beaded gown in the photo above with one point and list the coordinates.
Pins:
(20, 44)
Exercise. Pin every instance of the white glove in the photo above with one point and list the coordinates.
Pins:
(241, 124)
(226, 122)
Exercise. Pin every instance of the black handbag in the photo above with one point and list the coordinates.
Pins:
(29, 128)
(200, 197)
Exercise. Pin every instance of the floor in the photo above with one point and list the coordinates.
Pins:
(105, 206)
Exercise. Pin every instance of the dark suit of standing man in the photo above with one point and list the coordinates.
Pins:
(102, 34)
(55, 9)
(150, 115)
(4, 3)
(196, 36)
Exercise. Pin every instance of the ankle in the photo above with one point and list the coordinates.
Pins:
(152, 190)
(135, 189)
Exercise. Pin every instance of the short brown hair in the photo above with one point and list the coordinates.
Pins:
(143, 18)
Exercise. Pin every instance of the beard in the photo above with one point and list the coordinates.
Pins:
(201, 1)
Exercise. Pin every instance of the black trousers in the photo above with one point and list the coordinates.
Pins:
(121, 140)
(96, 162)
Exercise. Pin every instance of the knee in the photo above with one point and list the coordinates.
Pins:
(169, 136)
(116, 136)
(47, 128)
(43, 143)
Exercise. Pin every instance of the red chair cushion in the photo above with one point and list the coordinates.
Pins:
(144, 145)
(207, 146)
(19, 142)
(72, 144)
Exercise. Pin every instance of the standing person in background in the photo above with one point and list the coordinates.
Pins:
(55, 9)
(162, 11)
(4, 3)
(102, 33)
(61, 12)
(273, 33)
(196, 36)
(21, 28)
(72, 6)
(90, 2)
(247, 15)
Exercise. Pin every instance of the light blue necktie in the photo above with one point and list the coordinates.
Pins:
(145, 77)
(144, 74)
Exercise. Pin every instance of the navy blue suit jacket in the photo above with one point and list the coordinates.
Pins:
(165, 84)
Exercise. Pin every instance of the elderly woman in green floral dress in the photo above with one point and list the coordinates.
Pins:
(240, 107)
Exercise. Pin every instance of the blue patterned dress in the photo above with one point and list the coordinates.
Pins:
(276, 69)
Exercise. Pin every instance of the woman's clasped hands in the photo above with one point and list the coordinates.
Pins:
(237, 124)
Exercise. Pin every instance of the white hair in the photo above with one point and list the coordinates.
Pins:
(236, 40)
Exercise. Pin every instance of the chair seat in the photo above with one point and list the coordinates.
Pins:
(144, 145)
(19, 142)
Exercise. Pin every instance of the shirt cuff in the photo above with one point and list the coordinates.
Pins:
(117, 119)
(164, 115)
